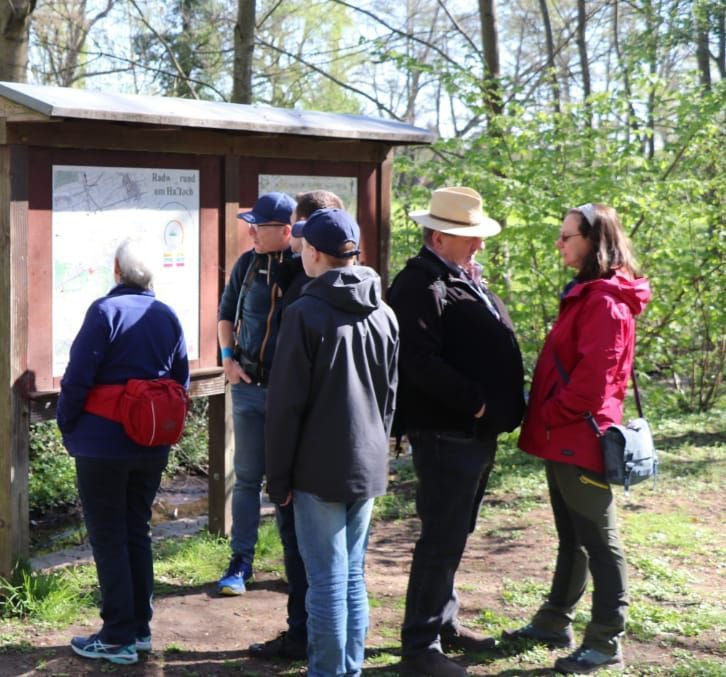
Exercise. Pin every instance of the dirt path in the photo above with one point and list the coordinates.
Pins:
(197, 633)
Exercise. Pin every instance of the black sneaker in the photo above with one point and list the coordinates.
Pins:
(430, 664)
(280, 647)
(555, 640)
(583, 661)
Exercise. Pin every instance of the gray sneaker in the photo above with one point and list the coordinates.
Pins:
(584, 661)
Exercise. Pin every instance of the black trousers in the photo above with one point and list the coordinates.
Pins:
(116, 495)
(452, 472)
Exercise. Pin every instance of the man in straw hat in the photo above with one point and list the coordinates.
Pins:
(461, 384)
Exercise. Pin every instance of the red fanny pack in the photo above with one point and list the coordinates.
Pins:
(152, 411)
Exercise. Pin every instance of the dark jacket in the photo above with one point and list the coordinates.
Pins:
(593, 339)
(271, 275)
(332, 390)
(126, 334)
(456, 354)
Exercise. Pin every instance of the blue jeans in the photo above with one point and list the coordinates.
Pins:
(116, 495)
(452, 472)
(333, 538)
(249, 407)
(248, 404)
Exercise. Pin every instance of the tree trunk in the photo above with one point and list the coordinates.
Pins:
(703, 57)
(244, 45)
(721, 59)
(584, 63)
(652, 51)
(632, 122)
(14, 24)
(490, 42)
(552, 71)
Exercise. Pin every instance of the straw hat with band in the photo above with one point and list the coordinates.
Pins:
(457, 211)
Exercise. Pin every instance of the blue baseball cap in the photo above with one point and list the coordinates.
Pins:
(270, 207)
(297, 228)
(328, 229)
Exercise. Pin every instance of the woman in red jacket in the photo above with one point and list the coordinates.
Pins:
(583, 371)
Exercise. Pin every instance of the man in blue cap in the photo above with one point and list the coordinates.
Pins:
(247, 332)
(327, 431)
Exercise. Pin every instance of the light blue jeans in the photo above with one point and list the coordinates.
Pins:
(248, 405)
(333, 538)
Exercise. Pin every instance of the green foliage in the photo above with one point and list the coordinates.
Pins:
(190, 561)
(191, 453)
(187, 47)
(531, 167)
(52, 473)
(51, 598)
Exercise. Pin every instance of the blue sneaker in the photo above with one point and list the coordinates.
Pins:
(238, 573)
(143, 643)
(93, 647)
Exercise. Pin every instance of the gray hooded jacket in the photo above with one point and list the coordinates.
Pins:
(332, 389)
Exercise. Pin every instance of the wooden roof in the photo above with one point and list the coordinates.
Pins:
(24, 102)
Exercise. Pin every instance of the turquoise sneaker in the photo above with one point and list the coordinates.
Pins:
(93, 647)
(143, 643)
(238, 574)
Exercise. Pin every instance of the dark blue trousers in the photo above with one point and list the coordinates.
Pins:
(452, 472)
(297, 582)
(116, 495)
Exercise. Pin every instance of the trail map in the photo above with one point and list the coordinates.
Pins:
(94, 210)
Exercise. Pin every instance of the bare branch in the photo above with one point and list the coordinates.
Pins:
(325, 74)
(177, 66)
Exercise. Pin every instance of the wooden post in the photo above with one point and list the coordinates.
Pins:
(221, 435)
(15, 381)
(384, 215)
(221, 455)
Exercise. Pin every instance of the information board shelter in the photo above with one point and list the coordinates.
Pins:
(80, 170)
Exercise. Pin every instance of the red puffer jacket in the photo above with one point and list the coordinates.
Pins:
(593, 338)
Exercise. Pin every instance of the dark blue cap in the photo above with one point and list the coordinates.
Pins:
(277, 207)
(328, 229)
(297, 228)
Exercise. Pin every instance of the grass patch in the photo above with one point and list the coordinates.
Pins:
(647, 619)
(524, 594)
(191, 561)
(55, 598)
(688, 665)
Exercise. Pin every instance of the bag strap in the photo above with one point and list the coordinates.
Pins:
(566, 378)
(636, 393)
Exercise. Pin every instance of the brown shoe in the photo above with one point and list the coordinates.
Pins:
(463, 639)
(430, 664)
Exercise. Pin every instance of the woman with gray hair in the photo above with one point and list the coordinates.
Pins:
(127, 334)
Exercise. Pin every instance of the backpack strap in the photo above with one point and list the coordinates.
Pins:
(244, 288)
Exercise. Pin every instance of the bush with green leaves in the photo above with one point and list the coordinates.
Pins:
(530, 168)
(52, 473)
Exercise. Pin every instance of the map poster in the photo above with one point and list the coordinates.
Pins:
(94, 210)
(345, 187)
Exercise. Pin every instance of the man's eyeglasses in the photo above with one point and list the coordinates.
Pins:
(564, 237)
(267, 225)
